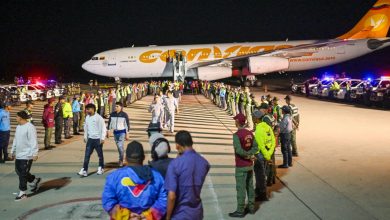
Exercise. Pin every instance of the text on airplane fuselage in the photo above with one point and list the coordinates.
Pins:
(199, 54)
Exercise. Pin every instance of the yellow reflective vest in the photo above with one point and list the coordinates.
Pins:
(265, 139)
(67, 110)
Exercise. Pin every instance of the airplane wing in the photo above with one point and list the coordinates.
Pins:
(290, 52)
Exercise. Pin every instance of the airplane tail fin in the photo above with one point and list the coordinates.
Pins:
(375, 24)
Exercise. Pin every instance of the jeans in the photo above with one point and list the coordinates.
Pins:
(285, 139)
(48, 134)
(4, 141)
(120, 141)
(75, 122)
(93, 144)
(22, 168)
(259, 168)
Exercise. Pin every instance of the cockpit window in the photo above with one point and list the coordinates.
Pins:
(94, 58)
(102, 58)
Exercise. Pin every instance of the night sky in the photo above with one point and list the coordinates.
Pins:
(56, 37)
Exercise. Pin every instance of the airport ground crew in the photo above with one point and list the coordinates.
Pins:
(265, 140)
(48, 122)
(245, 147)
(248, 107)
(295, 123)
(5, 130)
(59, 119)
(335, 87)
(285, 137)
(237, 100)
(76, 114)
(68, 115)
(128, 98)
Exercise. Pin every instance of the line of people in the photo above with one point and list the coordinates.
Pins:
(262, 126)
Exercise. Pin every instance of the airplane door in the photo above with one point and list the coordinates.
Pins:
(341, 50)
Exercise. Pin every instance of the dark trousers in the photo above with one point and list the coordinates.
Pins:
(67, 127)
(93, 144)
(285, 139)
(259, 168)
(4, 141)
(58, 129)
(22, 168)
(75, 122)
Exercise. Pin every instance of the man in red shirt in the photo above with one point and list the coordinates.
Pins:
(245, 147)
(48, 122)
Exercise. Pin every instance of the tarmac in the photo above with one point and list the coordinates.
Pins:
(342, 171)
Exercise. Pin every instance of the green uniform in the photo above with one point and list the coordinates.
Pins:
(244, 177)
(295, 119)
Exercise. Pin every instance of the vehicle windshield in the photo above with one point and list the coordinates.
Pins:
(326, 82)
(355, 83)
(375, 83)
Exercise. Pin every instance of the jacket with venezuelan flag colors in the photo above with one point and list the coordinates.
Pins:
(134, 194)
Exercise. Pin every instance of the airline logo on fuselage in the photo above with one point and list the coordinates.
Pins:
(377, 22)
(199, 54)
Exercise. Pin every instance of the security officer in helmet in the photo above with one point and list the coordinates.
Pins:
(160, 149)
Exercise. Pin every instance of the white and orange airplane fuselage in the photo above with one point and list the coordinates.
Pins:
(217, 61)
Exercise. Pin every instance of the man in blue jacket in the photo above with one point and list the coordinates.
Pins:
(135, 191)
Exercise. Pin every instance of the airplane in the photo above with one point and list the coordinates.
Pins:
(217, 61)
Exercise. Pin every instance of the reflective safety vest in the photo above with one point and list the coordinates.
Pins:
(118, 94)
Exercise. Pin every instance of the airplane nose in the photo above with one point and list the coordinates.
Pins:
(85, 66)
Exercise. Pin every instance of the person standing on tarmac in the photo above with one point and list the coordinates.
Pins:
(119, 124)
(59, 119)
(48, 122)
(160, 148)
(76, 114)
(295, 123)
(82, 112)
(248, 107)
(286, 128)
(68, 116)
(5, 131)
(265, 140)
(245, 147)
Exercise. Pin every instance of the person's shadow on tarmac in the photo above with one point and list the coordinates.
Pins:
(52, 184)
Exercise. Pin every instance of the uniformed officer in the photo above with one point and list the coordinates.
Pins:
(295, 123)
(59, 119)
(248, 107)
(82, 112)
(68, 117)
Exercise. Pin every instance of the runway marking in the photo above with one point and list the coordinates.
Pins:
(210, 186)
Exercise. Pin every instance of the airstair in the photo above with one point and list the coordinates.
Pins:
(179, 61)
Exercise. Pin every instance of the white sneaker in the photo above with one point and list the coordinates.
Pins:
(100, 171)
(83, 172)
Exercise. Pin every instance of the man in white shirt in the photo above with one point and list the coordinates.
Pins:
(94, 135)
(25, 150)
(171, 106)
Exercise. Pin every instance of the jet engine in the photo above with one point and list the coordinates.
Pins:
(211, 73)
(258, 65)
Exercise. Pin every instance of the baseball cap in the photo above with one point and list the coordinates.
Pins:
(240, 118)
(264, 106)
(257, 114)
(286, 109)
(135, 152)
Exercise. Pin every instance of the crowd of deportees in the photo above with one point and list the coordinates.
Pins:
(165, 188)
